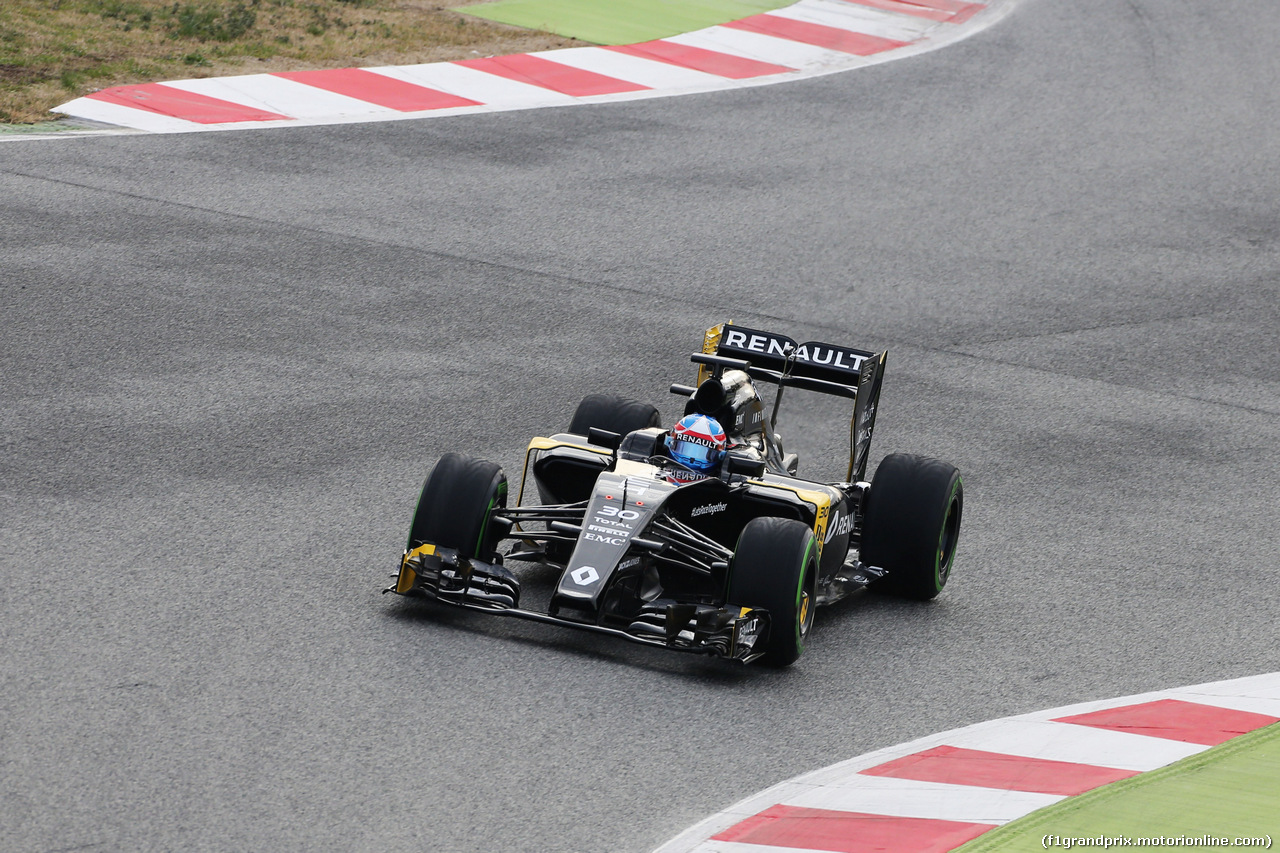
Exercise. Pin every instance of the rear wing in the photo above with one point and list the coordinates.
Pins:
(814, 366)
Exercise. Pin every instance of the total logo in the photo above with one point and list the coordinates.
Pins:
(708, 509)
(839, 526)
(611, 525)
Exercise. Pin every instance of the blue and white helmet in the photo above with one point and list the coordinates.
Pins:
(697, 441)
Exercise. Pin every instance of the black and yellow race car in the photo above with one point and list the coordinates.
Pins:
(729, 559)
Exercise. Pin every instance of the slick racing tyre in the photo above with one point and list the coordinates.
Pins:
(457, 504)
(775, 567)
(912, 523)
(612, 413)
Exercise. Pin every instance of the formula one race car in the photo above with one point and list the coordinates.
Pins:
(701, 538)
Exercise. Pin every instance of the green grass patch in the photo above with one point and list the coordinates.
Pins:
(619, 21)
(1230, 791)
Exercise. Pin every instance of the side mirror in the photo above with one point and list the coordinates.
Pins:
(641, 445)
(744, 466)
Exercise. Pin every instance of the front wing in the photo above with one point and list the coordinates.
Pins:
(735, 633)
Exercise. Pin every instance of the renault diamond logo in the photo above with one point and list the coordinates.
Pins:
(585, 576)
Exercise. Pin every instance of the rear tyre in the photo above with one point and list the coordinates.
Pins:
(775, 567)
(612, 413)
(457, 504)
(912, 524)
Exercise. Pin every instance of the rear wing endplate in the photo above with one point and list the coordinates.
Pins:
(814, 366)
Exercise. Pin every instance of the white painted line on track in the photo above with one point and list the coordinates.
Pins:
(859, 19)
(491, 91)
(1058, 742)
(126, 117)
(278, 95)
(793, 54)
(911, 798)
(646, 72)
(732, 847)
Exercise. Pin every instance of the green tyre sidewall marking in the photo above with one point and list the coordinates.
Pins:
(498, 498)
(912, 524)
(804, 576)
(940, 576)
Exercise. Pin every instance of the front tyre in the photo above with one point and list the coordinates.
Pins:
(457, 505)
(775, 568)
(912, 523)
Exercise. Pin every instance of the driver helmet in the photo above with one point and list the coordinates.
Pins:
(697, 441)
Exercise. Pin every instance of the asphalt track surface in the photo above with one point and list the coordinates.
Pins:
(229, 359)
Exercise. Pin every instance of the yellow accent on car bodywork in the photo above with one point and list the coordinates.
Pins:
(821, 502)
(710, 343)
(542, 443)
(408, 577)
